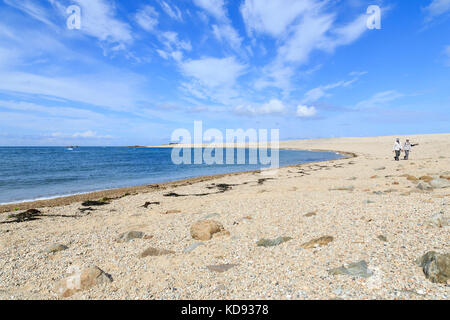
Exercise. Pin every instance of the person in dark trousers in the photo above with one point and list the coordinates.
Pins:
(407, 148)
(397, 149)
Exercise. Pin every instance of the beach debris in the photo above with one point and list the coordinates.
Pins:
(357, 269)
(154, 252)
(261, 181)
(130, 235)
(221, 267)
(368, 202)
(172, 212)
(444, 177)
(436, 267)
(272, 242)
(382, 238)
(86, 209)
(319, 242)
(174, 194)
(378, 193)
(352, 178)
(380, 168)
(193, 246)
(311, 214)
(440, 220)
(345, 188)
(205, 229)
(147, 204)
(82, 280)
(439, 183)
(29, 215)
(56, 248)
(94, 203)
(374, 177)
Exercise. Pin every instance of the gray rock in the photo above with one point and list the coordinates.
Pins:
(56, 248)
(193, 246)
(440, 183)
(436, 267)
(130, 235)
(272, 242)
(424, 186)
(358, 269)
(221, 267)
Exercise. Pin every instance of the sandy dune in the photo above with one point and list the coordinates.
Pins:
(366, 207)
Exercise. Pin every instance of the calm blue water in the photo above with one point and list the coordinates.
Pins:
(28, 173)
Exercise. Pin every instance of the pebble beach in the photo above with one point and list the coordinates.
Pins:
(351, 228)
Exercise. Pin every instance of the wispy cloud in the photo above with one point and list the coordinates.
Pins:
(147, 18)
(171, 10)
(436, 8)
(380, 99)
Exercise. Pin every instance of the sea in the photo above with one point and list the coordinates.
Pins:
(36, 173)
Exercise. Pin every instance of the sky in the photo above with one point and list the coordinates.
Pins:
(134, 71)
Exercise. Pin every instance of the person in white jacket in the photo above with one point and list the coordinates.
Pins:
(397, 149)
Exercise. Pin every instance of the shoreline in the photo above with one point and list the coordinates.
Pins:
(116, 193)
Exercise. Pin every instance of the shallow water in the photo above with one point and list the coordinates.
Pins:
(30, 173)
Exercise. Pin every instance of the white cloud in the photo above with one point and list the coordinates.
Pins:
(98, 20)
(216, 8)
(273, 17)
(32, 9)
(170, 40)
(117, 91)
(379, 99)
(274, 106)
(305, 111)
(214, 72)
(226, 33)
(447, 54)
(171, 11)
(147, 18)
(437, 8)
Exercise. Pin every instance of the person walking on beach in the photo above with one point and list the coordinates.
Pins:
(407, 148)
(397, 149)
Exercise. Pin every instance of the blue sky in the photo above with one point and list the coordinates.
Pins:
(137, 70)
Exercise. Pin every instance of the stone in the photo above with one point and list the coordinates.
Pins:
(56, 248)
(130, 235)
(381, 168)
(382, 238)
(193, 246)
(155, 252)
(311, 214)
(358, 269)
(411, 178)
(345, 188)
(426, 178)
(435, 266)
(221, 267)
(424, 187)
(204, 230)
(440, 220)
(272, 242)
(82, 280)
(322, 241)
(439, 183)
